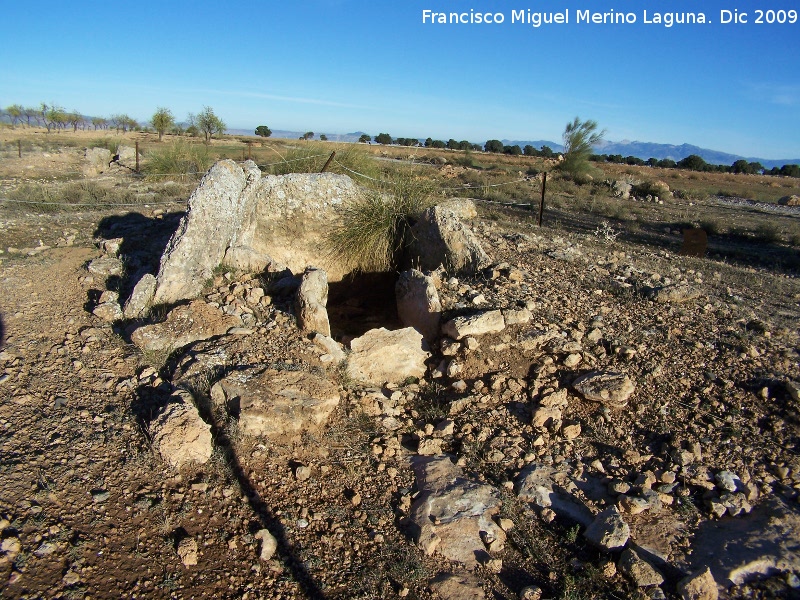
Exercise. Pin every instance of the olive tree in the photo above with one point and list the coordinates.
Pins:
(162, 120)
(579, 137)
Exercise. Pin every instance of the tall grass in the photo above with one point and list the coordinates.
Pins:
(80, 195)
(373, 230)
(179, 160)
(310, 158)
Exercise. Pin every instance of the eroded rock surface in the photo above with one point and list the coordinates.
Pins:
(178, 433)
(380, 355)
(184, 325)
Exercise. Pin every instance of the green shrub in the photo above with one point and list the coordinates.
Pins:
(710, 226)
(767, 233)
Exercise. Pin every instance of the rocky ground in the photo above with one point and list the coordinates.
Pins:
(508, 469)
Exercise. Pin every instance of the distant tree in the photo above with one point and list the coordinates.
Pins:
(529, 150)
(30, 112)
(263, 131)
(756, 167)
(493, 146)
(428, 142)
(633, 160)
(652, 162)
(383, 138)
(693, 162)
(790, 171)
(514, 150)
(14, 113)
(99, 122)
(452, 144)
(209, 123)
(53, 116)
(546, 152)
(307, 135)
(323, 137)
(464, 145)
(365, 138)
(438, 144)
(74, 118)
(667, 163)
(162, 120)
(579, 137)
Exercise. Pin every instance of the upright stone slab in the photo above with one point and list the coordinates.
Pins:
(204, 233)
(311, 301)
(440, 238)
(418, 304)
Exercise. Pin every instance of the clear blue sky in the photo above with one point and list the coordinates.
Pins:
(339, 66)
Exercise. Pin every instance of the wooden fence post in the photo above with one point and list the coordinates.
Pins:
(328, 162)
(19, 148)
(137, 156)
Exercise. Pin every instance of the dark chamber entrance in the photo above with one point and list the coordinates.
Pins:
(360, 302)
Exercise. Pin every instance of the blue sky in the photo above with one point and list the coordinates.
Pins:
(339, 66)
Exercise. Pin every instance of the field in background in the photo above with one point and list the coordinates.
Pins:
(50, 171)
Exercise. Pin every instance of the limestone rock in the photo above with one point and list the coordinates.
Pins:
(457, 586)
(269, 545)
(97, 160)
(418, 304)
(490, 321)
(142, 295)
(213, 217)
(641, 572)
(608, 388)
(106, 266)
(453, 515)
(608, 531)
(178, 433)
(547, 488)
(380, 355)
(676, 293)
(330, 346)
(463, 208)
(276, 403)
(187, 551)
(311, 300)
(440, 238)
(700, 585)
(184, 325)
(108, 311)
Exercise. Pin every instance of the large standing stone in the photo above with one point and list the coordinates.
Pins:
(142, 295)
(184, 325)
(380, 355)
(606, 387)
(97, 160)
(453, 515)
(179, 435)
(311, 300)
(212, 219)
(277, 403)
(286, 219)
(489, 321)
(418, 304)
(440, 238)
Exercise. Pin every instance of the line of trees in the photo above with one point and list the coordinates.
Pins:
(694, 162)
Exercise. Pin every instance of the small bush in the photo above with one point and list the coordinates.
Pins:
(373, 230)
(178, 160)
(80, 195)
(767, 233)
(710, 226)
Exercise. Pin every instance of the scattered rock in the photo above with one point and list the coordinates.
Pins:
(187, 551)
(453, 514)
(276, 403)
(641, 572)
(676, 293)
(700, 585)
(457, 586)
(178, 433)
(381, 356)
(476, 324)
(106, 266)
(608, 531)
(184, 325)
(609, 388)
(793, 200)
(269, 545)
(108, 311)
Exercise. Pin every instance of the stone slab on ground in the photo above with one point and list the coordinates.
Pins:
(184, 325)
(178, 433)
(381, 356)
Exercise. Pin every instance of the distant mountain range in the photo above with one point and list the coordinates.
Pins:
(643, 150)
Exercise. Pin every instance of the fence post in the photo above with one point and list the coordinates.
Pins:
(541, 204)
(137, 156)
(249, 150)
(328, 162)
(19, 148)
